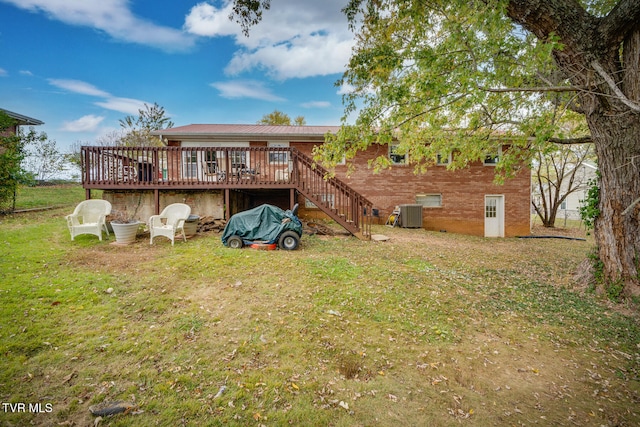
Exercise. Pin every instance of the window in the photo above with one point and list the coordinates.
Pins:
(429, 200)
(443, 159)
(563, 205)
(343, 160)
(238, 159)
(395, 157)
(279, 157)
(190, 164)
(491, 208)
(493, 159)
(329, 199)
(211, 162)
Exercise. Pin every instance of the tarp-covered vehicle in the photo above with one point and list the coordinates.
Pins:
(266, 224)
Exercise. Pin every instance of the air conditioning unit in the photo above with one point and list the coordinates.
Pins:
(411, 216)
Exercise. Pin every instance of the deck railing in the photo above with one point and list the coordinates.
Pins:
(131, 168)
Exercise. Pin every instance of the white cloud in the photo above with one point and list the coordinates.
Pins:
(26, 73)
(123, 105)
(87, 123)
(114, 17)
(78, 86)
(206, 20)
(3, 72)
(316, 104)
(245, 89)
(346, 89)
(110, 102)
(296, 38)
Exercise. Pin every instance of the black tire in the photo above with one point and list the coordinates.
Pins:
(235, 242)
(289, 241)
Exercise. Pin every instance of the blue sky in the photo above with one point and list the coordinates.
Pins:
(81, 66)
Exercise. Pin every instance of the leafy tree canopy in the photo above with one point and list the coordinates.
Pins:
(278, 118)
(461, 75)
(12, 153)
(138, 129)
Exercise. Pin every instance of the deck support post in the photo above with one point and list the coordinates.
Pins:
(87, 193)
(227, 204)
(292, 197)
(156, 200)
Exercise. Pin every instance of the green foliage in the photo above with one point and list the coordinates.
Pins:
(138, 129)
(433, 76)
(589, 207)
(248, 12)
(278, 118)
(43, 159)
(12, 152)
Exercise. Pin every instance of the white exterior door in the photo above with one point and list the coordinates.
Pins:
(493, 216)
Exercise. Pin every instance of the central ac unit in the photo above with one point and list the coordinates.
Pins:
(411, 216)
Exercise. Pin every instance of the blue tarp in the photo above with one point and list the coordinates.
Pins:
(264, 223)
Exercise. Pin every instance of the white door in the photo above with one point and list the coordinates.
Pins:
(493, 216)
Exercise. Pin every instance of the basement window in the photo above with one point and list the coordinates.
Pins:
(429, 200)
(327, 199)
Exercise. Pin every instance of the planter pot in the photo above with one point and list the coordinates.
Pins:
(191, 226)
(125, 233)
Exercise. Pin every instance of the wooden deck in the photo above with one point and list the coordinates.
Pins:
(225, 168)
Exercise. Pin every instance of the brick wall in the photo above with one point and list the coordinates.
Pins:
(463, 193)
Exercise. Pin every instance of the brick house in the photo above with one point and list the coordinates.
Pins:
(222, 169)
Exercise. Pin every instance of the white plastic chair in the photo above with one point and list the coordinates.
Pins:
(89, 217)
(169, 222)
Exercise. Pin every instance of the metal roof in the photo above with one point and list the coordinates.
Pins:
(22, 120)
(247, 130)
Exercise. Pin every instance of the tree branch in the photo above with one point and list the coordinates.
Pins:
(612, 85)
(533, 89)
(622, 19)
(571, 141)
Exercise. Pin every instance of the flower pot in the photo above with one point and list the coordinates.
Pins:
(191, 226)
(125, 233)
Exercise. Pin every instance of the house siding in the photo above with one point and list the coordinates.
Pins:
(463, 193)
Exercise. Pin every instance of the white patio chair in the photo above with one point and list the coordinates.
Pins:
(89, 218)
(169, 222)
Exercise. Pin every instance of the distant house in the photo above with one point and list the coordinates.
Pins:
(570, 208)
(221, 169)
(21, 120)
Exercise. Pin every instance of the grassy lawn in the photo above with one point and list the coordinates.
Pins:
(45, 197)
(424, 329)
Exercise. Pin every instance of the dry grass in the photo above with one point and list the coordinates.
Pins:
(424, 329)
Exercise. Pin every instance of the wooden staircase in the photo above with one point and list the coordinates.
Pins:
(340, 202)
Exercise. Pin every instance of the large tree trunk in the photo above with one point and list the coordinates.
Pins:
(617, 141)
(616, 132)
(601, 56)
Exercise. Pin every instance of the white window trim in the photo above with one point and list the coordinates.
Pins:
(499, 156)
